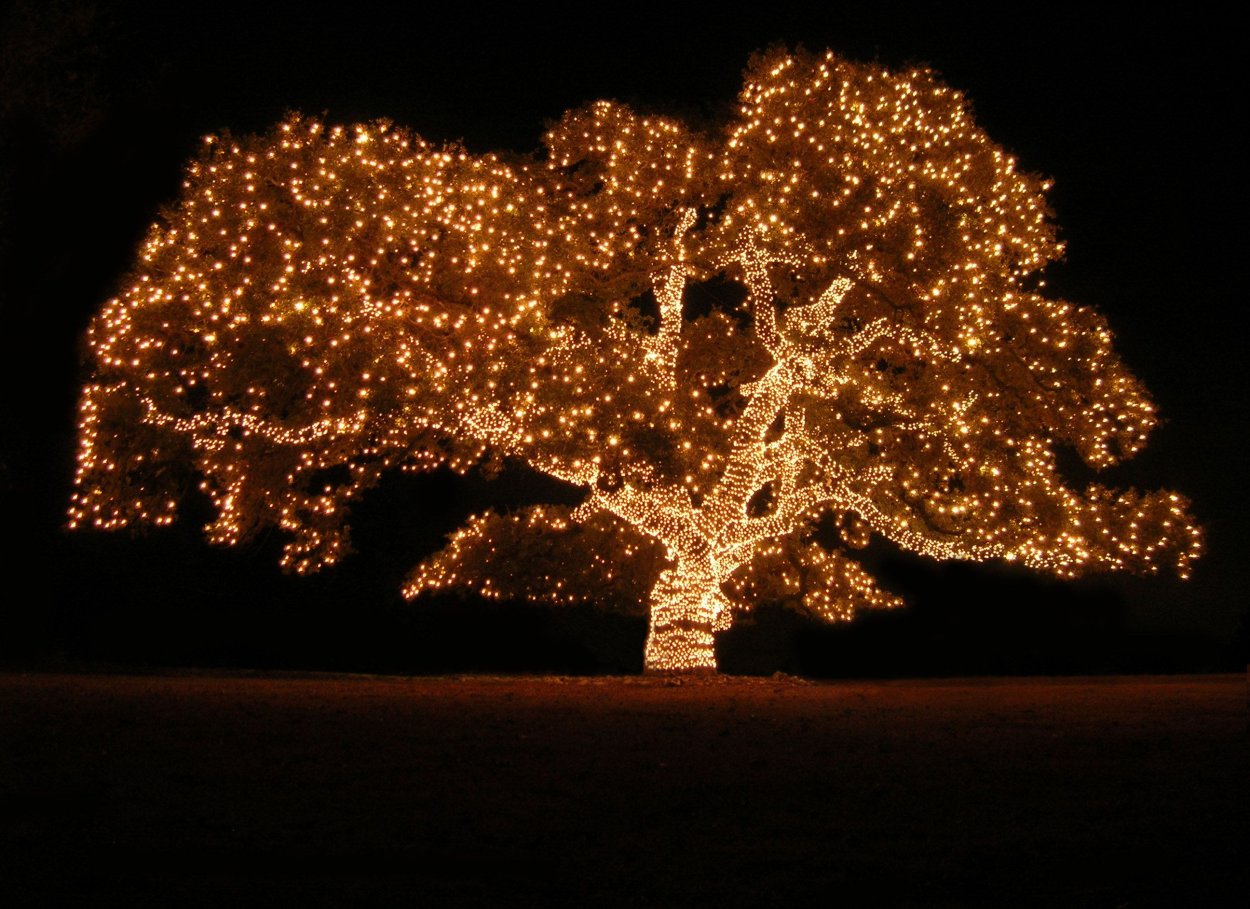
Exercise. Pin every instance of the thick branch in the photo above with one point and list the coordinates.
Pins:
(660, 513)
(728, 499)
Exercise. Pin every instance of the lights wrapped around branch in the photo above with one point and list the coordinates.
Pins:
(826, 308)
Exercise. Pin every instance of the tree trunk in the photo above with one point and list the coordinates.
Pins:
(680, 638)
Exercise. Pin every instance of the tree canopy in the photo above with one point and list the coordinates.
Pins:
(824, 312)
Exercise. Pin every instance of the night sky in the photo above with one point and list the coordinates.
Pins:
(102, 106)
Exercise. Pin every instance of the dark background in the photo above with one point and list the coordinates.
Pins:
(102, 105)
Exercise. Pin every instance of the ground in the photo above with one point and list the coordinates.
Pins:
(235, 789)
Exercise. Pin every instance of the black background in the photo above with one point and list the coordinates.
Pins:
(103, 105)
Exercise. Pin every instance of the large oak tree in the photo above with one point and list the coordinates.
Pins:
(825, 312)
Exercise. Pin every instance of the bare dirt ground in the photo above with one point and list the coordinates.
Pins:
(201, 789)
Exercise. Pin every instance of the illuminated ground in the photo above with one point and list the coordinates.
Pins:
(349, 790)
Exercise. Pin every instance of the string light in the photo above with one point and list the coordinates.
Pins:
(325, 304)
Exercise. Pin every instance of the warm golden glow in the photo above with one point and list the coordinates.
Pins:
(325, 304)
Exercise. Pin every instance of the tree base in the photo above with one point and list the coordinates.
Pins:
(697, 672)
(680, 648)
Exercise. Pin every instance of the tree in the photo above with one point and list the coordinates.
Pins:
(825, 315)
